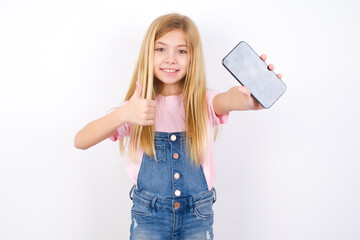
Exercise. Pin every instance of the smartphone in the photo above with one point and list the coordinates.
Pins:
(253, 73)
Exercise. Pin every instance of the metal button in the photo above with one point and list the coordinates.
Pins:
(173, 137)
(176, 155)
(176, 205)
(176, 176)
(177, 193)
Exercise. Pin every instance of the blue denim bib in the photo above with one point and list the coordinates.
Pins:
(172, 174)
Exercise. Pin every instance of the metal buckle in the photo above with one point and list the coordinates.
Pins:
(215, 196)
(131, 193)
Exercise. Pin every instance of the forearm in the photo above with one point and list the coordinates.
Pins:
(237, 98)
(222, 104)
(100, 129)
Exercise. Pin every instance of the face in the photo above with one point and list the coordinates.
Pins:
(171, 60)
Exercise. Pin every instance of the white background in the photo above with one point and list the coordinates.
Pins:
(290, 172)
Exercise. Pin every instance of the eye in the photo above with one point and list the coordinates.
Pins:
(182, 51)
(160, 49)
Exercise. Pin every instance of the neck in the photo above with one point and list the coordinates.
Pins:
(172, 89)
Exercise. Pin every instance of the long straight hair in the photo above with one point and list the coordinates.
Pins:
(194, 88)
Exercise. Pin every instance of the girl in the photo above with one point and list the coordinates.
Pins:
(169, 118)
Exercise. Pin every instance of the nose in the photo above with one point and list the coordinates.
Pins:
(170, 58)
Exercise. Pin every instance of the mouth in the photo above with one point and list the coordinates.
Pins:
(169, 70)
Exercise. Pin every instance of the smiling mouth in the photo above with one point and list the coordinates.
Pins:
(169, 70)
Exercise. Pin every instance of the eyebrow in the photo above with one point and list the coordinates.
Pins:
(180, 45)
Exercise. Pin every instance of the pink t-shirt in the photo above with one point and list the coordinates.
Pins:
(170, 117)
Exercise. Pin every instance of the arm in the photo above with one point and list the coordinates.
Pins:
(100, 129)
(136, 111)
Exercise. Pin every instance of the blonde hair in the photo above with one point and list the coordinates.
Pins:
(194, 88)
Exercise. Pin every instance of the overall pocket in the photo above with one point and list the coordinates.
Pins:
(204, 209)
(141, 207)
(160, 152)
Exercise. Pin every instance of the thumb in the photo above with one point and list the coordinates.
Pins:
(244, 90)
(138, 90)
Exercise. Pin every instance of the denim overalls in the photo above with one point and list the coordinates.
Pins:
(171, 200)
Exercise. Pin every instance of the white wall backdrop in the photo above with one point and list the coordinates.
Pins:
(290, 172)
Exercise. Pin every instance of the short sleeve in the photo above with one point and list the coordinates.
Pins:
(215, 119)
(121, 132)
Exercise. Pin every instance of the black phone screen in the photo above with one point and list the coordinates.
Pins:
(247, 67)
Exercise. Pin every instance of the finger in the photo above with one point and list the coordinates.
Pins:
(152, 103)
(279, 75)
(244, 91)
(151, 107)
(271, 67)
(258, 106)
(138, 90)
(149, 122)
(263, 57)
(151, 116)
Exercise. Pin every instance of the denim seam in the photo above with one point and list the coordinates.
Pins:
(202, 215)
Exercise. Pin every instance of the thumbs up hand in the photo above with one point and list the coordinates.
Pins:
(140, 111)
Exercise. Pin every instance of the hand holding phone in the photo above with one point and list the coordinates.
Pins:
(253, 73)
